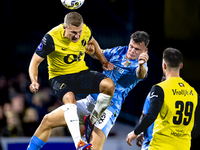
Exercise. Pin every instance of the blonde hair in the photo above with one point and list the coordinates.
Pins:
(73, 18)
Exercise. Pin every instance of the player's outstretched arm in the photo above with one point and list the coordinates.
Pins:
(33, 72)
(98, 53)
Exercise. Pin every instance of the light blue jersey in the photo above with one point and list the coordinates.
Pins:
(124, 75)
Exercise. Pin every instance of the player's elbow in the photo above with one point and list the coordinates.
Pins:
(141, 75)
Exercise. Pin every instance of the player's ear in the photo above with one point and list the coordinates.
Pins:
(164, 65)
(181, 65)
(146, 50)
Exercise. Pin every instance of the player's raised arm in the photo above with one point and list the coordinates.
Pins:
(33, 72)
(98, 53)
(141, 71)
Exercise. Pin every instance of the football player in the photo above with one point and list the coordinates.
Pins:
(64, 47)
(130, 67)
(173, 105)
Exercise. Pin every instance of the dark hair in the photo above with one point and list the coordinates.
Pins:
(140, 36)
(172, 57)
(73, 18)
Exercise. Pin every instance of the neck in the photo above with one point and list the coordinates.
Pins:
(172, 74)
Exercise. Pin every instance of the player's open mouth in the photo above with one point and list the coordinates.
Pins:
(75, 39)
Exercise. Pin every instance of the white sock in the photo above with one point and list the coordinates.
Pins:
(103, 101)
(72, 120)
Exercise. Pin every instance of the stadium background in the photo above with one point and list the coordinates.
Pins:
(169, 23)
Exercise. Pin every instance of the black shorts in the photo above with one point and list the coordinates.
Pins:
(84, 82)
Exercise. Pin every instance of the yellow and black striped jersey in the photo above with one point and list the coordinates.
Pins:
(64, 56)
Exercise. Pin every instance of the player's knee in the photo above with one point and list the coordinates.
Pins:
(107, 86)
(46, 124)
(69, 97)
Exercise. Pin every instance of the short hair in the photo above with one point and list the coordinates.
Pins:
(73, 18)
(141, 36)
(172, 57)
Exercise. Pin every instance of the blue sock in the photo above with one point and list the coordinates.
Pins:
(35, 143)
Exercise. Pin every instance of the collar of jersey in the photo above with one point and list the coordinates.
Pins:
(130, 59)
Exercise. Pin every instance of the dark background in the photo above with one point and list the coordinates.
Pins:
(170, 23)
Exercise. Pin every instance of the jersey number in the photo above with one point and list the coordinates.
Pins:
(182, 115)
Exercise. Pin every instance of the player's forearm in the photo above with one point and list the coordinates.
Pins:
(98, 52)
(101, 57)
(33, 72)
(33, 67)
(156, 102)
(141, 117)
(141, 71)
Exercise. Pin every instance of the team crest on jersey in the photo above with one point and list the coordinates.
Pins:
(181, 85)
(127, 63)
(83, 42)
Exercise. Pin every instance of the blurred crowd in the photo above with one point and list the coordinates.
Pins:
(21, 111)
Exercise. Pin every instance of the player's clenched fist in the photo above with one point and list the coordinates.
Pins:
(143, 58)
(34, 87)
(108, 66)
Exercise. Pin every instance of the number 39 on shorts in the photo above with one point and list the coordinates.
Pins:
(183, 112)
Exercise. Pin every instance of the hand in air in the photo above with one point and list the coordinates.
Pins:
(143, 58)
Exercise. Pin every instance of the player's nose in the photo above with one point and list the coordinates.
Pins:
(77, 35)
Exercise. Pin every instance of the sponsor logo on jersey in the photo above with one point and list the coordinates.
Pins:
(44, 40)
(120, 70)
(70, 58)
(180, 92)
(152, 95)
(178, 134)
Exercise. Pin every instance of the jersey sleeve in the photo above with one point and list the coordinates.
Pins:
(156, 101)
(46, 46)
(109, 53)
